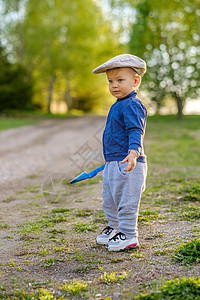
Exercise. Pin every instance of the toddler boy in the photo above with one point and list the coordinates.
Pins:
(126, 166)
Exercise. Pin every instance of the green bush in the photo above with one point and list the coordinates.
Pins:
(177, 289)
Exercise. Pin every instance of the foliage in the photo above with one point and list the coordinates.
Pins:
(179, 289)
(15, 85)
(188, 253)
(167, 37)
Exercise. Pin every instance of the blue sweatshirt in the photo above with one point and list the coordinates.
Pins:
(125, 128)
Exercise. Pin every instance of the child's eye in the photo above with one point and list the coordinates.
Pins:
(120, 80)
(110, 81)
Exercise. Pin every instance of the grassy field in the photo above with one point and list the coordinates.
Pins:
(14, 119)
(56, 256)
(7, 123)
(173, 149)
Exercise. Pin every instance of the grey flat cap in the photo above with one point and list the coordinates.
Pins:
(123, 60)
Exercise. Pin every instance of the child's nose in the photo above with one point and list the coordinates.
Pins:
(115, 84)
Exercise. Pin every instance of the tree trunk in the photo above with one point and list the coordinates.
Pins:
(67, 97)
(179, 104)
(158, 106)
(50, 92)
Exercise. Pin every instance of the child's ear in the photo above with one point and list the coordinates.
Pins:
(137, 81)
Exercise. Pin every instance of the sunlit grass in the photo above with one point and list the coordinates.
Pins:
(14, 118)
(7, 123)
(172, 149)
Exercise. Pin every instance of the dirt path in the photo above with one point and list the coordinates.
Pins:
(65, 146)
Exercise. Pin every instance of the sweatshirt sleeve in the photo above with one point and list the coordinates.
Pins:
(135, 115)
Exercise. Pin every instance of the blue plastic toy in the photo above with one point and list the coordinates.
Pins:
(86, 175)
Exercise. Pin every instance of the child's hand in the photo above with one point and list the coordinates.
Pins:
(131, 159)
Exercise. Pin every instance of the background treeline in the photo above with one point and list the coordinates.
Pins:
(48, 50)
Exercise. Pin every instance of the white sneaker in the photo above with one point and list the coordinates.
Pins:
(119, 242)
(106, 234)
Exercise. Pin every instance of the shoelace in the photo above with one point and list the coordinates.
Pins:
(107, 230)
(118, 236)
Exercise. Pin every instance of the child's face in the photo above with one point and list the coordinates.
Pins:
(122, 81)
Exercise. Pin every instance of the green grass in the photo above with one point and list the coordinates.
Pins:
(7, 123)
(48, 262)
(100, 217)
(172, 143)
(172, 149)
(86, 212)
(41, 294)
(44, 222)
(190, 213)
(191, 193)
(85, 227)
(177, 289)
(188, 253)
(114, 277)
(147, 216)
(75, 287)
(4, 226)
(14, 119)
(34, 114)
(60, 210)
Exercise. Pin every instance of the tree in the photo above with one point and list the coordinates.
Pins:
(60, 42)
(167, 37)
(15, 86)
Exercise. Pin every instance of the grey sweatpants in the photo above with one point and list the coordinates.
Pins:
(121, 195)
